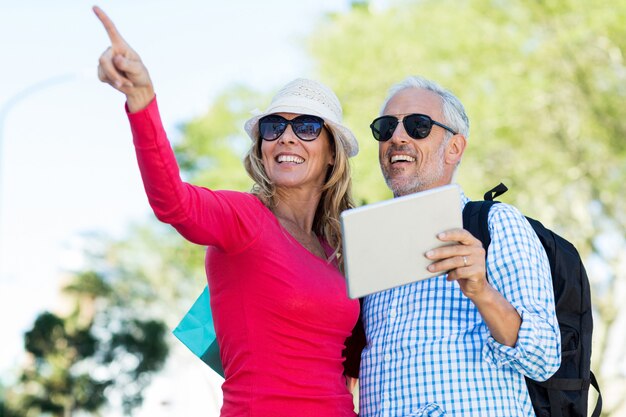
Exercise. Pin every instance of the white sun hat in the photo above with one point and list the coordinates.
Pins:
(303, 96)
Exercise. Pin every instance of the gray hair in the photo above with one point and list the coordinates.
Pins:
(453, 111)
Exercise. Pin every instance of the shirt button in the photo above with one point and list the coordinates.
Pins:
(392, 313)
(387, 357)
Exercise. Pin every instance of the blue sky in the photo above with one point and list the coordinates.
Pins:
(66, 162)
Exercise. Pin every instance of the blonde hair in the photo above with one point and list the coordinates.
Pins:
(336, 193)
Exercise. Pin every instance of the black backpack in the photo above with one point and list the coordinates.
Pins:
(565, 394)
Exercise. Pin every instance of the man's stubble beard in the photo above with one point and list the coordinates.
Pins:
(420, 182)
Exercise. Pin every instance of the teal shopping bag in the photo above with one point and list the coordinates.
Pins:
(197, 332)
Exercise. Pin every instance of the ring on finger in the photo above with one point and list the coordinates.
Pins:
(465, 261)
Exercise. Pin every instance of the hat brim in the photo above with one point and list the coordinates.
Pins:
(341, 133)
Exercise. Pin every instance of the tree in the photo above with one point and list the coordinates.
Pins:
(100, 350)
(6, 410)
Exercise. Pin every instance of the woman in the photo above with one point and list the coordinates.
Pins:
(278, 299)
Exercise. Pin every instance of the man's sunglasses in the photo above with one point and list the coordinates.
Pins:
(417, 126)
(305, 126)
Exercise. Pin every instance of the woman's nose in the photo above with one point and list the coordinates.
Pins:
(288, 135)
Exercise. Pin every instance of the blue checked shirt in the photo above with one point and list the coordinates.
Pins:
(429, 353)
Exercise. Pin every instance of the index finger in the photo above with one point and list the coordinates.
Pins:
(109, 26)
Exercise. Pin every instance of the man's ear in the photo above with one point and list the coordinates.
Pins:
(454, 150)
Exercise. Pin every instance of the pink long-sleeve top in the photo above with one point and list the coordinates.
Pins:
(281, 313)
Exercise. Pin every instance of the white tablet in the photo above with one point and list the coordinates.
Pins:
(384, 243)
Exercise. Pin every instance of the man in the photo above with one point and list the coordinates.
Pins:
(461, 343)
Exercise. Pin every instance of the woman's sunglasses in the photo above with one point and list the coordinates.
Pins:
(416, 125)
(305, 126)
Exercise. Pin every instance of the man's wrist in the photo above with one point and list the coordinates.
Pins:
(486, 296)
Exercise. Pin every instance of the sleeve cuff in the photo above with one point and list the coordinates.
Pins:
(145, 124)
(151, 106)
(501, 355)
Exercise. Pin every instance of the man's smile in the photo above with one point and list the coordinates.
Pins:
(401, 158)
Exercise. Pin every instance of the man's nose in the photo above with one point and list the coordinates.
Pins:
(399, 135)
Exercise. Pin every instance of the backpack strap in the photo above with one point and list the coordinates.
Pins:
(554, 385)
(476, 215)
(496, 191)
(565, 384)
(598, 409)
(475, 220)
